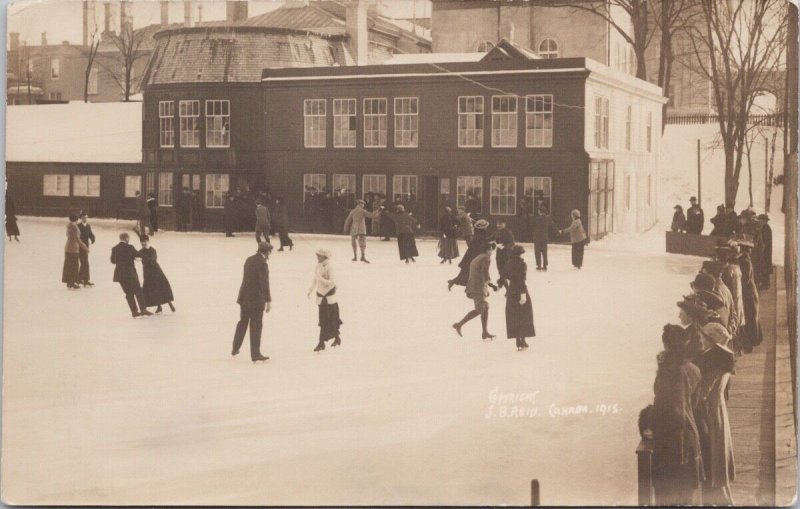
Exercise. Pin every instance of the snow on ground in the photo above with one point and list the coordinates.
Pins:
(99, 408)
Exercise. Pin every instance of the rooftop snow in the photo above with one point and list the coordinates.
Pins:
(434, 58)
(75, 132)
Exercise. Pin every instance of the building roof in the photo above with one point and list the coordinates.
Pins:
(76, 132)
(435, 58)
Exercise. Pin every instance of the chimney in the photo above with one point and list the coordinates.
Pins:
(187, 13)
(85, 23)
(164, 13)
(44, 38)
(356, 28)
(107, 17)
(236, 11)
(125, 16)
(199, 13)
(13, 41)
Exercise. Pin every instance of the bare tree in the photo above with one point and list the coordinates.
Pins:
(89, 52)
(121, 62)
(670, 17)
(738, 43)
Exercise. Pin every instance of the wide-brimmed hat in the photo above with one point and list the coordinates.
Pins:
(713, 267)
(696, 308)
(323, 252)
(716, 333)
(481, 224)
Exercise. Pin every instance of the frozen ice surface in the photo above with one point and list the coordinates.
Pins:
(100, 408)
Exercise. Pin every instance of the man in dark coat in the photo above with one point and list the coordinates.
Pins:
(229, 214)
(87, 237)
(142, 213)
(731, 220)
(254, 300)
(694, 217)
(473, 206)
(152, 204)
(542, 226)
(183, 210)
(122, 256)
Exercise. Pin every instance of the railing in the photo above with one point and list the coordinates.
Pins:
(772, 120)
(644, 462)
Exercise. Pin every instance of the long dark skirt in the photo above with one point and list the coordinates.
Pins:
(407, 246)
(502, 258)
(448, 248)
(329, 320)
(70, 273)
(577, 254)
(519, 318)
(750, 334)
(11, 226)
(156, 287)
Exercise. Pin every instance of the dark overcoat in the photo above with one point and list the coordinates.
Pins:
(254, 292)
(519, 317)
(155, 285)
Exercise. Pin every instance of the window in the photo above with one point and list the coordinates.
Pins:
(504, 121)
(404, 188)
(628, 126)
(345, 186)
(55, 96)
(548, 48)
(190, 123)
(314, 112)
(375, 184)
(218, 123)
(313, 183)
(86, 185)
(133, 183)
(406, 122)
(165, 189)
(55, 69)
(601, 108)
(539, 191)
(539, 121)
(92, 85)
(216, 187)
(56, 185)
(344, 123)
(469, 186)
(470, 121)
(375, 125)
(503, 196)
(649, 131)
(150, 182)
(166, 123)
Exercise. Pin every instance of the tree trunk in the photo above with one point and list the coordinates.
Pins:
(750, 176)
(731, 183)
(770, 175)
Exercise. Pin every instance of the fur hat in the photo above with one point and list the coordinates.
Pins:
(481, 224)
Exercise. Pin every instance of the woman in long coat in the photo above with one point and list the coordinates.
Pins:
(70, 273)
(677, 458)
(474, 248)
(156, 287)
(405, 224)
(281, 223)
(519, 310)
(577, 237)
(751, 331)
(386, 224)
(448, 244)
(12, 230)
(325, 287)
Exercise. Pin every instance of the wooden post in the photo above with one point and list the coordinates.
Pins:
(644, 457)
(766, 174)
(535, 500)
(699, 181)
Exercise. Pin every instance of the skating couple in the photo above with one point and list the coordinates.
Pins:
(156, 290)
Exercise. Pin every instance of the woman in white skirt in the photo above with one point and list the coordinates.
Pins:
(325, 288)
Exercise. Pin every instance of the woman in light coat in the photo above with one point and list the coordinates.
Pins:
(72, 250)
(577, 236)
(325, 288)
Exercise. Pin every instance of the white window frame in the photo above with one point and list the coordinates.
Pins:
(218, 123)
(55, 69)
(166, 124)
(190, 123)
(509, 186)
(375, 184)
(314, 123)
(539, 137)
(602, 107)
(471, 113)
(402, 187)
(86, 186)
(348, 183)
(544, 184)
(133, 183)
(548, 52)
(375, 136)
(345, 123)
(508, 121)
(312, 179)
(466, 184)
(55, 184)
(217, 186)
(166, 182)
(93, 85)
(406, 122)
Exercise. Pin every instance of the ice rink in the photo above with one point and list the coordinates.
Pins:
(99, 408)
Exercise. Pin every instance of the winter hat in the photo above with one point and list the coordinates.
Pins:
(696, 308)
(703, 283)
(693, 199)
(323, 252)
(677, 207)
(481, 224)
(716, 333)
(264, 247)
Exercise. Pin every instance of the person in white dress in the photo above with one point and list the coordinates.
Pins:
(325, 288)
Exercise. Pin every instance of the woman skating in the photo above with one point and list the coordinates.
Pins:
(577, 237)
(406, 224)
(474, 248)
(448, 243)
(519, 309)
(156, 288)
(325, 288)
(74, 246)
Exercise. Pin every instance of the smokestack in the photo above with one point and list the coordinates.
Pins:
(44, 38)
(125, 16)
(235, 11)
(85, 23)
(13, 41)
(356, 28)
(107, 17)
(164, 13)
(187, 13)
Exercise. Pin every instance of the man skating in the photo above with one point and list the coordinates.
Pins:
(263, 220)
(123, 256)
(542, 226)
(254, 300)
(478, 290)
(87, 237)
(356, 226)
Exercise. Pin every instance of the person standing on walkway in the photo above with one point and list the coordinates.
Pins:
(448, 227)
(695, 218)
(87, 237)
(578, 238)
(474, 248)
(750, 333)
(355, 225)
(324, 286)
(405, 224)
(766, 267)
(478, 286)
(262, 221)
(714, 269)
(12, 229)
(72, 250)
(720, 223)
(123, 256)
(254, 300)
(281, 222)
(543, 225)
(155, 285)
(519, 309)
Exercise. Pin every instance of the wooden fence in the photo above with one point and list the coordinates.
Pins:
(773, 120)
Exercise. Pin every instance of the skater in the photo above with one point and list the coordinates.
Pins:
(229, 214)
(465, 227)
(765, 267)
(478, 286)
(254, 300)
(694, 217)
(504, 238)
(448, 244)
(378, 204)
(578, 238)
(281, 222)
(356, 226)
(12, 229)
(123, 256)
(474, 248)
(519, 309)
(155, 285)
(542, 226)
(72, 254)
(152, 204)
(325, 287)
(87, 237)
(142, 214)
(678, 220)
(262, 221)
(386, 224)
(405, 224)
